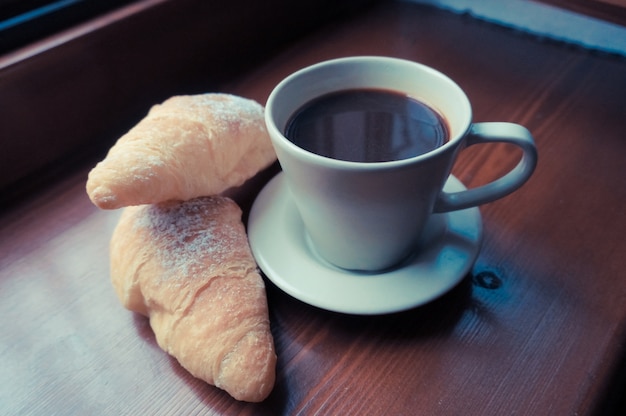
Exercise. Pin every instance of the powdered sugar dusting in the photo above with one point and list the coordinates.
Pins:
(191, 235)
(147, 170)
(232, 108)
(225, 109)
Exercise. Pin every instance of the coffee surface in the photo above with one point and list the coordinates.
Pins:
(367, 125)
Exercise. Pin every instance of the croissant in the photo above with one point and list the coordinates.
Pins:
(188, 146)
(188, 267)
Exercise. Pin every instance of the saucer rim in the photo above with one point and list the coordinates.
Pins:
(275, 195)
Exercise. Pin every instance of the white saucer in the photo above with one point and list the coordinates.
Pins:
(280, 246)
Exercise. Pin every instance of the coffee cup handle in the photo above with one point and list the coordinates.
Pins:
(494, 132)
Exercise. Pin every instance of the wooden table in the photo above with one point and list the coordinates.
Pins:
(537, 328)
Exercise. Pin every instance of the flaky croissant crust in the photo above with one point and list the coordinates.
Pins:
(186, 147)
(188, 267)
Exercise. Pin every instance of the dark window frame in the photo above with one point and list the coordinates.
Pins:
(25, 21)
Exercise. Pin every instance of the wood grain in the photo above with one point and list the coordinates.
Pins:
(536, 328)
(613, 11)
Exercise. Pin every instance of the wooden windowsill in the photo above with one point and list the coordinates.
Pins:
(613, 11)
(536, 327)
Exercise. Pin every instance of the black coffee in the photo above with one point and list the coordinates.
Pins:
(367, 125)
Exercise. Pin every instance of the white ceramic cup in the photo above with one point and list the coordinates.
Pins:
(369, 216)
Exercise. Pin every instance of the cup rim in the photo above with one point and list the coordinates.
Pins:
(278, 137)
